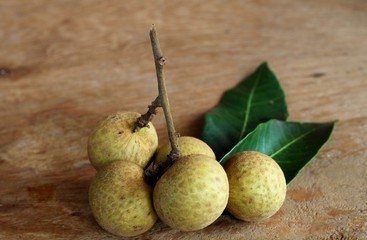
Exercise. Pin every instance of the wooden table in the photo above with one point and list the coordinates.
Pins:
(64, 65)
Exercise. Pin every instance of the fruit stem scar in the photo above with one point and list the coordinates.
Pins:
(162, 61)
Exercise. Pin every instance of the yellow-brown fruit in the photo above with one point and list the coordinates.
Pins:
(121, 200)
(192, 193)
(188, 145)
(114, 139)
(257, 186)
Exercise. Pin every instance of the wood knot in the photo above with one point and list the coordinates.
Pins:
(318, 74)
(4, 71)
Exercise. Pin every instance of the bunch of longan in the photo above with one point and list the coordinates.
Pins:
(191, 188)
(190, 195)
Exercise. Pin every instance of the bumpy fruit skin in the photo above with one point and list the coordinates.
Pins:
(192, 193)
(257, 186)
(121, 200)
(188, 145)
(114, 139)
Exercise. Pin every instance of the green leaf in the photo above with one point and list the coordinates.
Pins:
(256, 99)
(292, 145)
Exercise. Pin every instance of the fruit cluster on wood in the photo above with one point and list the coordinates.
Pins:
(191, 189)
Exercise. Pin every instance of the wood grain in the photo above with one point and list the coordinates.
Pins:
(66, 64)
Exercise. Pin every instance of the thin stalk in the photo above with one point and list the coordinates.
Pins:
(144, 119)
(153, 171)
(160, 61)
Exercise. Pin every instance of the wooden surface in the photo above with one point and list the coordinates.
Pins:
(67, 64)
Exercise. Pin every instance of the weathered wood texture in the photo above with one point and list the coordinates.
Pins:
(67, 64)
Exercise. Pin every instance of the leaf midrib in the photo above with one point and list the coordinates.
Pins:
(291, 142)
(249, 106)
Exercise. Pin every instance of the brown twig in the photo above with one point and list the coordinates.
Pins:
(154, 171)
(160, 61)
(144, 119)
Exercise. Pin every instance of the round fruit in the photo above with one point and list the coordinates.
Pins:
(114, 139)
(192, 193)
(188, 145)
(121, 200)
(257, 186)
